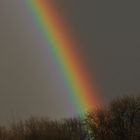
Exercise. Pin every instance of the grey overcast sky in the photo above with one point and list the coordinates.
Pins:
(109, 34)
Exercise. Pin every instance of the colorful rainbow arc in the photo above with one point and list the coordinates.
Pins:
(63, 48)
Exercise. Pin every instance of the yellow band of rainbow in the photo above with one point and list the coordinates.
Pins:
(63, 48)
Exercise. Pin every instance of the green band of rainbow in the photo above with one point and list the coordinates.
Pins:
(63, 48)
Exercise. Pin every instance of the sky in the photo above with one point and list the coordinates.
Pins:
(108, 33)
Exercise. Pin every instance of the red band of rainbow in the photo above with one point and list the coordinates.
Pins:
(63, 48)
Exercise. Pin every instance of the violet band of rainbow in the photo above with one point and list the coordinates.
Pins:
(63, 49)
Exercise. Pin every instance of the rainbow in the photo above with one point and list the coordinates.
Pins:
(63, 48)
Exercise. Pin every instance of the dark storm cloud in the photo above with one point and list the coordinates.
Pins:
(109, 34)
(26, 80)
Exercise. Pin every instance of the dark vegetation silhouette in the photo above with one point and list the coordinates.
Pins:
(119, 121)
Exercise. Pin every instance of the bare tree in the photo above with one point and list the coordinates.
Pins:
(120, 121)
(124, 116)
